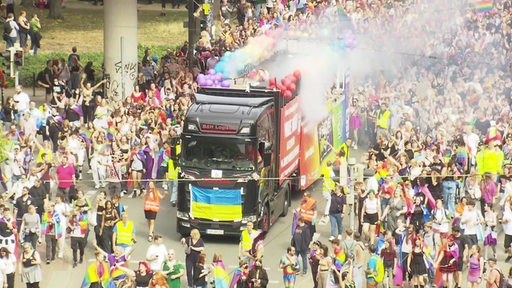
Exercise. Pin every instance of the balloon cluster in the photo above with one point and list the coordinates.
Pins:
(233, 64)
(347, 40)
(212, 79)
(288, 84)
(258, 75)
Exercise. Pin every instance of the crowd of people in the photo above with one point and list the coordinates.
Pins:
(436, 179)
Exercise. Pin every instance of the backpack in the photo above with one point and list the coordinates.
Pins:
(378, 275)
(7, 27)
(503, 281)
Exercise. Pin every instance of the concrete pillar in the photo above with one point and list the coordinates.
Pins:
(120, 47)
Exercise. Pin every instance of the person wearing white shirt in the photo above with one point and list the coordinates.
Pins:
(156, 254)
(64, 210)
(22, 101)
(7, 267)
(471, 219)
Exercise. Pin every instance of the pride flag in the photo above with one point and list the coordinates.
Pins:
(484, 6)
(238, 273)
(216, 204)
(339, 258)
(221, 275)
(97, 272)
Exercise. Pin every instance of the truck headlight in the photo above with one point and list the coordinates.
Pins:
(182, 215)
(249, 219)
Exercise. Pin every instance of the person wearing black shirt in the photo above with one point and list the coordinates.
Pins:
(39, 194)
(200, 271)
(336, 212)
(462, 243)
(257, 275)
(21, 206)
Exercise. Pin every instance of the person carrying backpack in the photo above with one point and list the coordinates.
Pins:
(494, 278)
(375, 268)
(10, 31)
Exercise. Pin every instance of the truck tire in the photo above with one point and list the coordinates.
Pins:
(286, 202)
(265, 219)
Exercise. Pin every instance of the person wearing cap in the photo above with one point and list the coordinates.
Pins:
(492, 279)
(314, 259)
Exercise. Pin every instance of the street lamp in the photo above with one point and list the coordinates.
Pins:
(351, 197)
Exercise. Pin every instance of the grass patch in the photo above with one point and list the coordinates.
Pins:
(83, 27)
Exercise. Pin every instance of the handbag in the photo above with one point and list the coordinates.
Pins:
(398, 279)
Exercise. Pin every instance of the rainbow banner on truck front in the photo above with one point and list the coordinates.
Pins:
(216, 204)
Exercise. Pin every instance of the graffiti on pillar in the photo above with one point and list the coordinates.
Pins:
(113, 86)
(129, 69)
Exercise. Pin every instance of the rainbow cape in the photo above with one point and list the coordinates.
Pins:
(220, 274)
(77, 109)
(484, 6)
(97, 272)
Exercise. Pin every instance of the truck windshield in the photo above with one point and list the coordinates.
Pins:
(219, 153)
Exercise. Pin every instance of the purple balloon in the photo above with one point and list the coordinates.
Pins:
(225, 84)
(201, 82)
(211, 72)
(208, 83)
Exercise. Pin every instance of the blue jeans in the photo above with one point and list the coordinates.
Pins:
(336, 220)
(304, 259)
(449, 189)
(173, 189)
(10, 41)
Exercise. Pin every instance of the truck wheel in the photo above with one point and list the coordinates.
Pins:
(286, 203)
(265, 219)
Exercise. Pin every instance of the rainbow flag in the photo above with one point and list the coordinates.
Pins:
(221, 275)
(484, 6)
(237, 274)
(339, 258)
(216, 204)
(45, 223)
(97, 272)
(111, 133)
(86, 139)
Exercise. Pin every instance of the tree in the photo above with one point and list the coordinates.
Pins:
(55, 9)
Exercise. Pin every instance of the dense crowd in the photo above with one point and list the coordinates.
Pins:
(436, 178)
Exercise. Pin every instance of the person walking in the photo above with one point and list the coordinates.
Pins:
(124, 233)
(337, 212)
(30, 266)
(307, 210)
(156, 254)
(152, 206)
(300, 241)
(194, 245)
(78, 227)
(8, 260)
(246, 242)
(257, 276)
(65, 177)
(290, 266)
(109, 219)
(31, 227)
(476, 267)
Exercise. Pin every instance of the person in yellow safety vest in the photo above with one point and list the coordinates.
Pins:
(328, 187)
(172, 175)
(344, 153)
(307, 210)
(246, 241)
(124, 234)
(383, 120)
